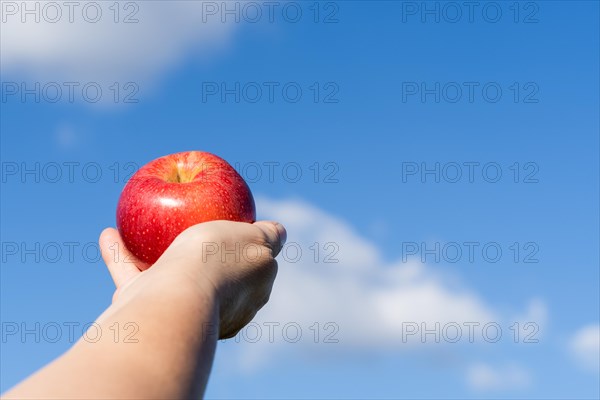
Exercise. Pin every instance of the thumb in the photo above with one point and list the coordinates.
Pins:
(121, 264)
(275, 233)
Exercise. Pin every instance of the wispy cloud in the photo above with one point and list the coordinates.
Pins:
(584, 346)
(485, 377)
(125, 41)
(372, 303)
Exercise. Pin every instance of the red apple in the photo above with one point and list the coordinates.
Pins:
(172, 193)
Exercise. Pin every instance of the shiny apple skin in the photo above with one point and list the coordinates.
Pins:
(172, 193)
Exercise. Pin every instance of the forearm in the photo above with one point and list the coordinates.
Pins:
(180, 306)
(176, 340)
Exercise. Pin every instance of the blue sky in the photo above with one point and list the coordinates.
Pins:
(357, 133)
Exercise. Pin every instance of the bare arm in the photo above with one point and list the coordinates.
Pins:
(181, 306)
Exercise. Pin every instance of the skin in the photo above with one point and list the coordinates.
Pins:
(181, 305)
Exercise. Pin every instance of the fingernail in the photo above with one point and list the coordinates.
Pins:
(282, 233)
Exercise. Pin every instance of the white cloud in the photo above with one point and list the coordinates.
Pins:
(536, 312)
(105, 51)
(531, 322)
(374, 303)
(585, 347)
(360, 291)
(484, 377)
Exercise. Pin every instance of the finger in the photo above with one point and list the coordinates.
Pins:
(275, 233)
(121, 264)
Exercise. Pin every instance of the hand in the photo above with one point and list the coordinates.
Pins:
(215, 275)
(230, 264)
